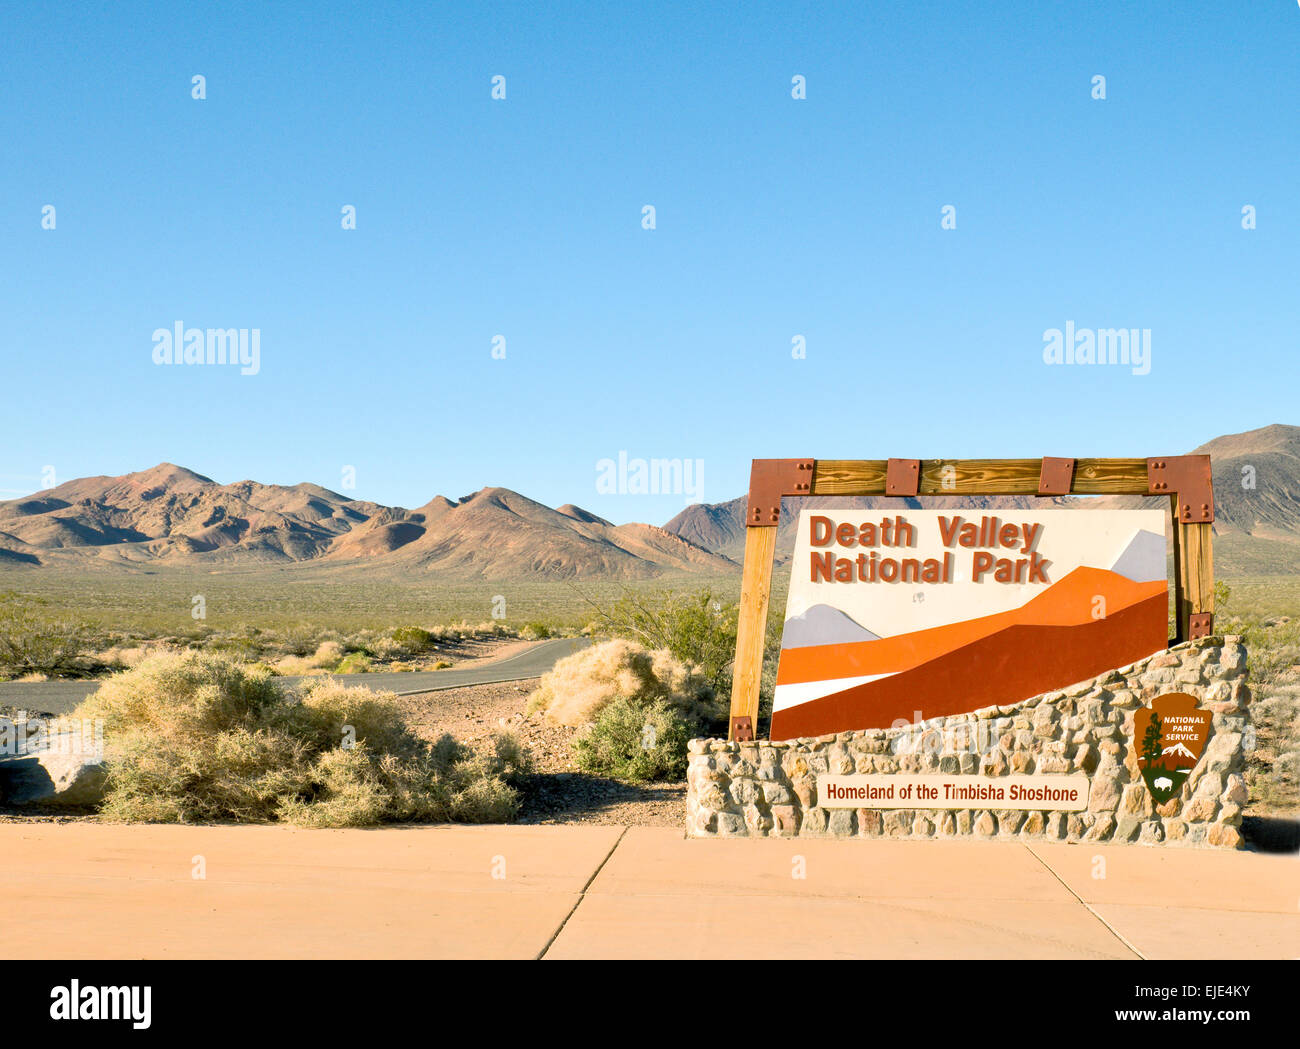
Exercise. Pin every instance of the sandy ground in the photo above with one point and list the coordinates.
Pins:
(558, 792)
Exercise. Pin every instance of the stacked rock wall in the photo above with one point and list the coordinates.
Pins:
(769, 789)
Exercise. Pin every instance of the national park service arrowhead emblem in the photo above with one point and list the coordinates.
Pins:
(1170, 736)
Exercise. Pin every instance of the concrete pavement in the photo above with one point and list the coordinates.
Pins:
(94, 890)
(102, 891)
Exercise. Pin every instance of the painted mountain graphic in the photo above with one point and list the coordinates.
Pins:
(1179, 751)
(1051, 641)
(1143, 560)
(1069, 602)
(823, 625)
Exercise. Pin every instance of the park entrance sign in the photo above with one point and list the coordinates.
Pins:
(942, 612)
(1002, 674)
(947, 611)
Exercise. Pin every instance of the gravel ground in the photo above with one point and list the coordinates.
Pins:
(557, 792)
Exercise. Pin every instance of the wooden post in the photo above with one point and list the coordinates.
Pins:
(1199, 558)
(751, 627)
(1180, 574)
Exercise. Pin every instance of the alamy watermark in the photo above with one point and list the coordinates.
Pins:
(919, 736)
(72, 1001)
(628, 476)
(182, 345)
(1130, 347)
(81, 737)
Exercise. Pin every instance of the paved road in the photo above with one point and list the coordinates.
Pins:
(60, 697)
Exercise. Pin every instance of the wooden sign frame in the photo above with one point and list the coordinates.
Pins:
(1184, 479)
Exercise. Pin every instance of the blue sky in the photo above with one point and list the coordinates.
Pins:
(775, 217)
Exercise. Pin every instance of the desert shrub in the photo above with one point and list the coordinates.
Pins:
(194, 737)
(535, 631)
(1273, 762)
(242, 647)
(330, 713)
(579, 686)
(636, 740)
(771, 662)
(299, 640)
(1272, 641)
(699, 629)
(362, 642)
(327, 655)
(295, 666)
(121, 657)
(353, 663)
(32, 641)
(411, 640)
(510, 755)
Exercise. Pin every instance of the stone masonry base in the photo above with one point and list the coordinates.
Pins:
(769, 789)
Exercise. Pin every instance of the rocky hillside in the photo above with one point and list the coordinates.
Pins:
(172, 516)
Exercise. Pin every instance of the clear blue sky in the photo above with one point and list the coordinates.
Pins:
(775, 217)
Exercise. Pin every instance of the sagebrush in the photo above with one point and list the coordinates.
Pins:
(578, 687)
(197, 737)
(698, 628)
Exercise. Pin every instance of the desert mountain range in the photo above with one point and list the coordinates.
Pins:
(171, 516)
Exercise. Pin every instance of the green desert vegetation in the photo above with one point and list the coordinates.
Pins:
(636, 708)
(36, 643)
(36, 640)
(698, 628)
(636, 740)
(1255, 610)
(158, 602)
(579, 686)
(64, 624)
(200, 737)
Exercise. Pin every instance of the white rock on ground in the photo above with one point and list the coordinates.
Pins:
(54, 773)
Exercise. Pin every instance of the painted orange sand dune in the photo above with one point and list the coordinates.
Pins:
(1049, 642)
(1016, 663)
(1068, 602)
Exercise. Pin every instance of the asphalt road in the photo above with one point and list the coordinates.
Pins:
(61, 697)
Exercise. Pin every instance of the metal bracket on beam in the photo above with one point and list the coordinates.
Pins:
(1200, 624)
(1055, 476)
(902, 476)
(742, 729)
(769, 480)
(1188, 477)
